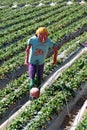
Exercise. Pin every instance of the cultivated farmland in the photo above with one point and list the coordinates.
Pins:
(67, 26)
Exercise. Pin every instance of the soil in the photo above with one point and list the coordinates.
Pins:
(15, 107)
(69, 119)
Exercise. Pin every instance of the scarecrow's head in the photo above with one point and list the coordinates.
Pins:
(42, 34)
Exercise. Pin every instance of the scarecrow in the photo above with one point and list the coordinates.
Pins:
(36, 52)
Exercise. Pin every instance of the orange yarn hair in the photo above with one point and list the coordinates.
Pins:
(41, 30)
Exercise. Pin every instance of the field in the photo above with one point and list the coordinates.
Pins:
(67, 26)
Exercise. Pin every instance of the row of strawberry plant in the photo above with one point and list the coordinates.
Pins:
(69, 30)
(58, 92)
(10, 51)
(9, 9)
(83, 124)
(16, 34)
(16, 16)
(13, 91)
(19, 32)
(22, 3)
(11, 1)
(72, 44)
(11, 65)
(18, 13)
(14, 25)
(23, 46)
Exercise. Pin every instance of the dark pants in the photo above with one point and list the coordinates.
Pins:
(33, 69)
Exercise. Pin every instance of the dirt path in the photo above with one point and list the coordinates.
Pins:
(68, 121)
